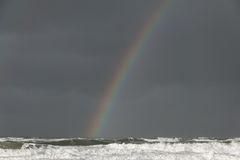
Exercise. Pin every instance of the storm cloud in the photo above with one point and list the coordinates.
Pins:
(57, 58)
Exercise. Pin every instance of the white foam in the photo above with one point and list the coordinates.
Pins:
(159, 151)
(161, 139)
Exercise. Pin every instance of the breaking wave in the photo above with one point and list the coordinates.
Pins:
(128, 148)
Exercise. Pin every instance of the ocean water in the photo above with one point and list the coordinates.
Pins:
(119, 149)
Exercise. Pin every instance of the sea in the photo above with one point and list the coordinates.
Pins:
(12, 148)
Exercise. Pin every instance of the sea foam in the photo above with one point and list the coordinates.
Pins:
(159, 149)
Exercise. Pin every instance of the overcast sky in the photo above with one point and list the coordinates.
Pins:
(57, 58)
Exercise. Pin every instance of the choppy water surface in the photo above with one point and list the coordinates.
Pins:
(129, 148)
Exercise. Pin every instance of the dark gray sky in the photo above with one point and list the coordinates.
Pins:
(57, 58)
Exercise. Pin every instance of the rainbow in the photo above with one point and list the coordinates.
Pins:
(122, 71)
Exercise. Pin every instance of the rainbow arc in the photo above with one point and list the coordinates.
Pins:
(132, 54)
